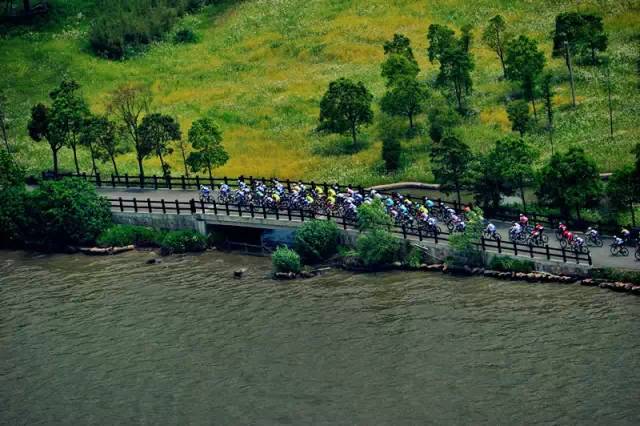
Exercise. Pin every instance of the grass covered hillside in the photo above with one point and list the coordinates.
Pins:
(262, 66)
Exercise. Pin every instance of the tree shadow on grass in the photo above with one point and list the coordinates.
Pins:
(337, 147)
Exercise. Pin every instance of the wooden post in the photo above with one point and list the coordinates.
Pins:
(192, 204)
(482, 243)
(113, 180)
(404, 232)
(564, 255)
(301, 214)
(126, 180)
(184, 183)
(149, 205)
(435, 236)
(168, 180)
(515, 248)
(251, 210)
(344, 222)
(239, 210)
(548, 254)
(531, 250)
(289, 213)
(215, 207)
(164, 207)
(226, 206)
(288, 185)
(264, 211)
(155, 182)
(277, 209)
(121, 205)
(589, 257)
(499, 247)
(202, 206)
(419, 233)
(98, 180)
(197, 182)
(177, 207)
(135, 205)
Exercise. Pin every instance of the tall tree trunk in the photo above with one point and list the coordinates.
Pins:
(140, 168)
(533, 103)
(55, 160)
(210, 174)
(5, 137)
(524, 203)
(568, 61)
(115, 168)
(93, 160)
(633, 214)
(458, 194)
(504, 69)
(411, 121)
(75, 157)
(184, 161)
(164, 168)
(353, 133)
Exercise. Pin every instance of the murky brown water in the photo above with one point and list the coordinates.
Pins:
(114, 341)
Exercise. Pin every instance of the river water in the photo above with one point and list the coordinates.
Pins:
(112, 340)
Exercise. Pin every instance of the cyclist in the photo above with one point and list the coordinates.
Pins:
(578, 243)
(625, 234)
(205, 193)
(490, 229)
(515, 230)
(591, 233)
(617, 241)
(524, 221)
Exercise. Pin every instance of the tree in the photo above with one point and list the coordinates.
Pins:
(514, 162)
(67, 115)
(623, 189)
(101, 137)
(182, 146)
(4, 120)
(442, 120)
(390, 131)
(524, 63)
(456, 62)
(206, 139)
(345, 107)
(129, 102)
(39, 128)
(399, 45)
(397, 67)
(405, 98)
(547, 99)
(582, 32)
(487, 183)
(12, 201)
(518, 112)
(156, 132)
(495, 37)
(450, 160)
(569, 181)
(609, 86)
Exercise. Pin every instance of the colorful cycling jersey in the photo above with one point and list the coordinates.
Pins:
(491, 228)
(331, 192)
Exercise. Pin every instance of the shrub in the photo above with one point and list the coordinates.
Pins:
(377, 248)
(66, 212)
(509, 264)
(124, 235)
(185, 35)
(414, 258)
(12, 201)
(286, 260)
(611, 274)
(182, 242)
(371, 216)
(317, 240)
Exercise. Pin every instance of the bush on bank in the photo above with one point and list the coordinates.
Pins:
(317, 240)
(378, 248)
(182, 242)
(611, 274)
(508, 264)
(124, 235)
(286, 260)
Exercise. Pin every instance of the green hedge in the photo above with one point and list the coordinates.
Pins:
(378, 248)
(182, 242)
(286, 260)
(611, 274)
(508, 264)
(124, 235)
(317, 240)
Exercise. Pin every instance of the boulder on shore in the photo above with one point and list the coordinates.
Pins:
(105, 250)
(154, 261)
(284, 275)
(238, 273)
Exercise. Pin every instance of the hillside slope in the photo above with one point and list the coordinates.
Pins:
(262, 66)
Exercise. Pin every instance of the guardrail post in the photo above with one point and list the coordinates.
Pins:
(531, 250)
(328, 214)
(202, 206)
(289, 212)
(589, 257)
(404, 232)
(301, 214)
(113, 180)
(239, 210)
(192, 204)
(226, 206)
(264, 211)
(121, 205)
(184, 183)
(564, 255)
(251, 211)
(515, 248)
(277, 209)
(84, 176)
(482, 243)
(149, 204)
(164, 207)
(197, 182)
(98, 180)
(126, 180)
(141, 181)
(499, 246)
(177, 207)
(435, 236)
(419, 233)
(168, 178)
(288, 185)
(548, 253)
(226, 181)
(135, 205)
(344, 222)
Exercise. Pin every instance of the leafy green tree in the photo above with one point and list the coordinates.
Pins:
(623, 189)
(450, 160)
(464, 243)
(518, 113)
(378, 248)
(570, 181)
(106, 140)
(345, 107)
(67, 115)
(583, 32)
(397, 67)
(514, 161)
(399, 45)
(40, 129)
(317, 240)
(129, 103)
(466, 37)
(547, 99)
(12, 201)
(182, 146)
(206, 139)
(495, 37)
(405, 98)
(486, 181)
(456, 62)
(442, 120)
(156, 132)
(372, 216)
(66, 212)
(390, 131)
(524, 63)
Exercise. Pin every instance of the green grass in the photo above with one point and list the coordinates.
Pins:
(262, 67)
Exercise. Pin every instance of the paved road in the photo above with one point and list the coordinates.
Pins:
(600, 256)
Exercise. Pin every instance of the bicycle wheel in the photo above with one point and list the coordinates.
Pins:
(497, 236)
(563, 243)
(598, 242)
(638, 253)
(450, 226)
(624, 251)
(545, 240)
(558, 234)
(614, 250)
